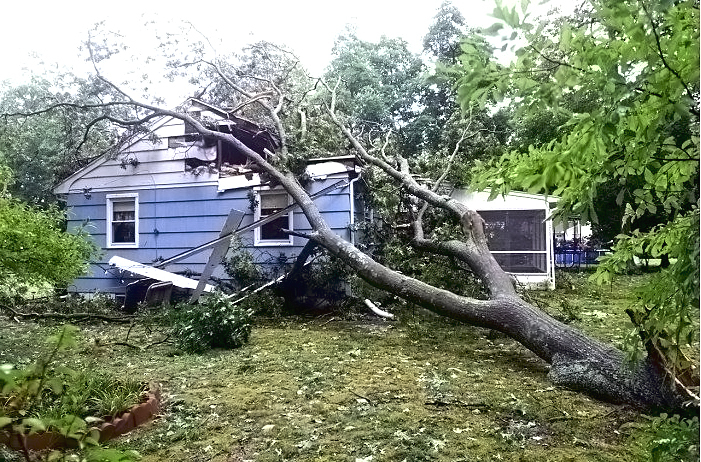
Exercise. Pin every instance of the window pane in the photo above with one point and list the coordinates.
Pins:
(522, 262)
(123, 232)
(123, 210)
(123, 216)
(273, 201)
(273, 230)
(515, 229)
(123, 206)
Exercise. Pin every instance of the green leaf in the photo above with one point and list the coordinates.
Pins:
(5, 421)
(34, 425)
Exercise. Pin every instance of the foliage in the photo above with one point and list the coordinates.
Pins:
(641, 90)
(669, 304)
(240, 265)
(214, 322)
(675, 438)
(93, 394)
(35, 249)
(68, 303)
(638, 62)
(44, 396)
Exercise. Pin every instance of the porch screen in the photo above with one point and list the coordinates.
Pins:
(517, 239)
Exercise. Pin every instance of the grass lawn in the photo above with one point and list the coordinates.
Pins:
(332, 389)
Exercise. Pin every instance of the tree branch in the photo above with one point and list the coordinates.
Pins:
(660, 53)
(67, 316)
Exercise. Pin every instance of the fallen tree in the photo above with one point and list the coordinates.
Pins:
(577, 360)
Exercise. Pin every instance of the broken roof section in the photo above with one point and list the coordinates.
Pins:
(249, 133)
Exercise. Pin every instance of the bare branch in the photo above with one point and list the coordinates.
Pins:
(254, 99)
(272, 111)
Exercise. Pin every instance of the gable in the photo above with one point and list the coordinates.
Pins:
(171, 155)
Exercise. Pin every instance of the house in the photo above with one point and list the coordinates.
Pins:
(519, 233)
(162, 195)
(172, 190)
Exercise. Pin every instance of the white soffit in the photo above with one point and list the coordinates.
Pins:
(238, 182)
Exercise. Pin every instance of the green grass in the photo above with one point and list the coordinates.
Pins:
(329, 389)
(90, 394)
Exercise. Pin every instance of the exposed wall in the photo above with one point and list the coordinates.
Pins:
(173, 220)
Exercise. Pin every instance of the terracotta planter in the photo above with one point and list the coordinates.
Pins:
(127, 421)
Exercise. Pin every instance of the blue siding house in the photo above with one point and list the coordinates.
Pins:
(163, 195)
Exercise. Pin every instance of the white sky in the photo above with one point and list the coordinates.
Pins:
(52, 30)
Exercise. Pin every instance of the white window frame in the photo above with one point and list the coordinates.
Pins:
(111, 199)
(258, 241)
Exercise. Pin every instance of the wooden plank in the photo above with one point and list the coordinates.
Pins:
(218, 252)
(268, 219)
(155, 273)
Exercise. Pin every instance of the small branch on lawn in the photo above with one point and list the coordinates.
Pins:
(68, 316)
(361, 396)
(378, 311)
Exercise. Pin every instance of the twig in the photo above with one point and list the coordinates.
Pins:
(362, 397)
(457, 403)
(127, 344)
(71, 316)
(165, 340)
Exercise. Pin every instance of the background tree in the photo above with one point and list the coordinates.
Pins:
(640, 60)
(35, 250)
(577, 360)
(43, 150)
(380, 83)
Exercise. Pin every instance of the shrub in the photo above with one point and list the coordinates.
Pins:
(675, 438)
(240, 265)
(34, 248)
(212, 323)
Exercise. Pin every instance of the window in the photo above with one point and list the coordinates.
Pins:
(517, 239)
(122, 221)
(269, 203)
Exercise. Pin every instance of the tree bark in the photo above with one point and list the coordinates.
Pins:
(577, 360)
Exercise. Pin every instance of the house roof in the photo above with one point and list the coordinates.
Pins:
(514, 200)
(252, 135)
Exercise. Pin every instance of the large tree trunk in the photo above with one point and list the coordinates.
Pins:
(577, 361)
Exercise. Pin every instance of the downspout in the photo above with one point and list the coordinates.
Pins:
(351, 224)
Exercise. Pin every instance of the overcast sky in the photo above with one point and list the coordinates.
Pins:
(52, 30)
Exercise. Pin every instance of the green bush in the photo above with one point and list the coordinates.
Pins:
(240, 265)
(675, 438)
(214, 322)
(35, 251)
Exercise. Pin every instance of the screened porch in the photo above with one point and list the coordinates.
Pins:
(519, 234)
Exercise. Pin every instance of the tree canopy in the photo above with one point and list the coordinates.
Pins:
(41, 151)
(638, 63)
(34, 247)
